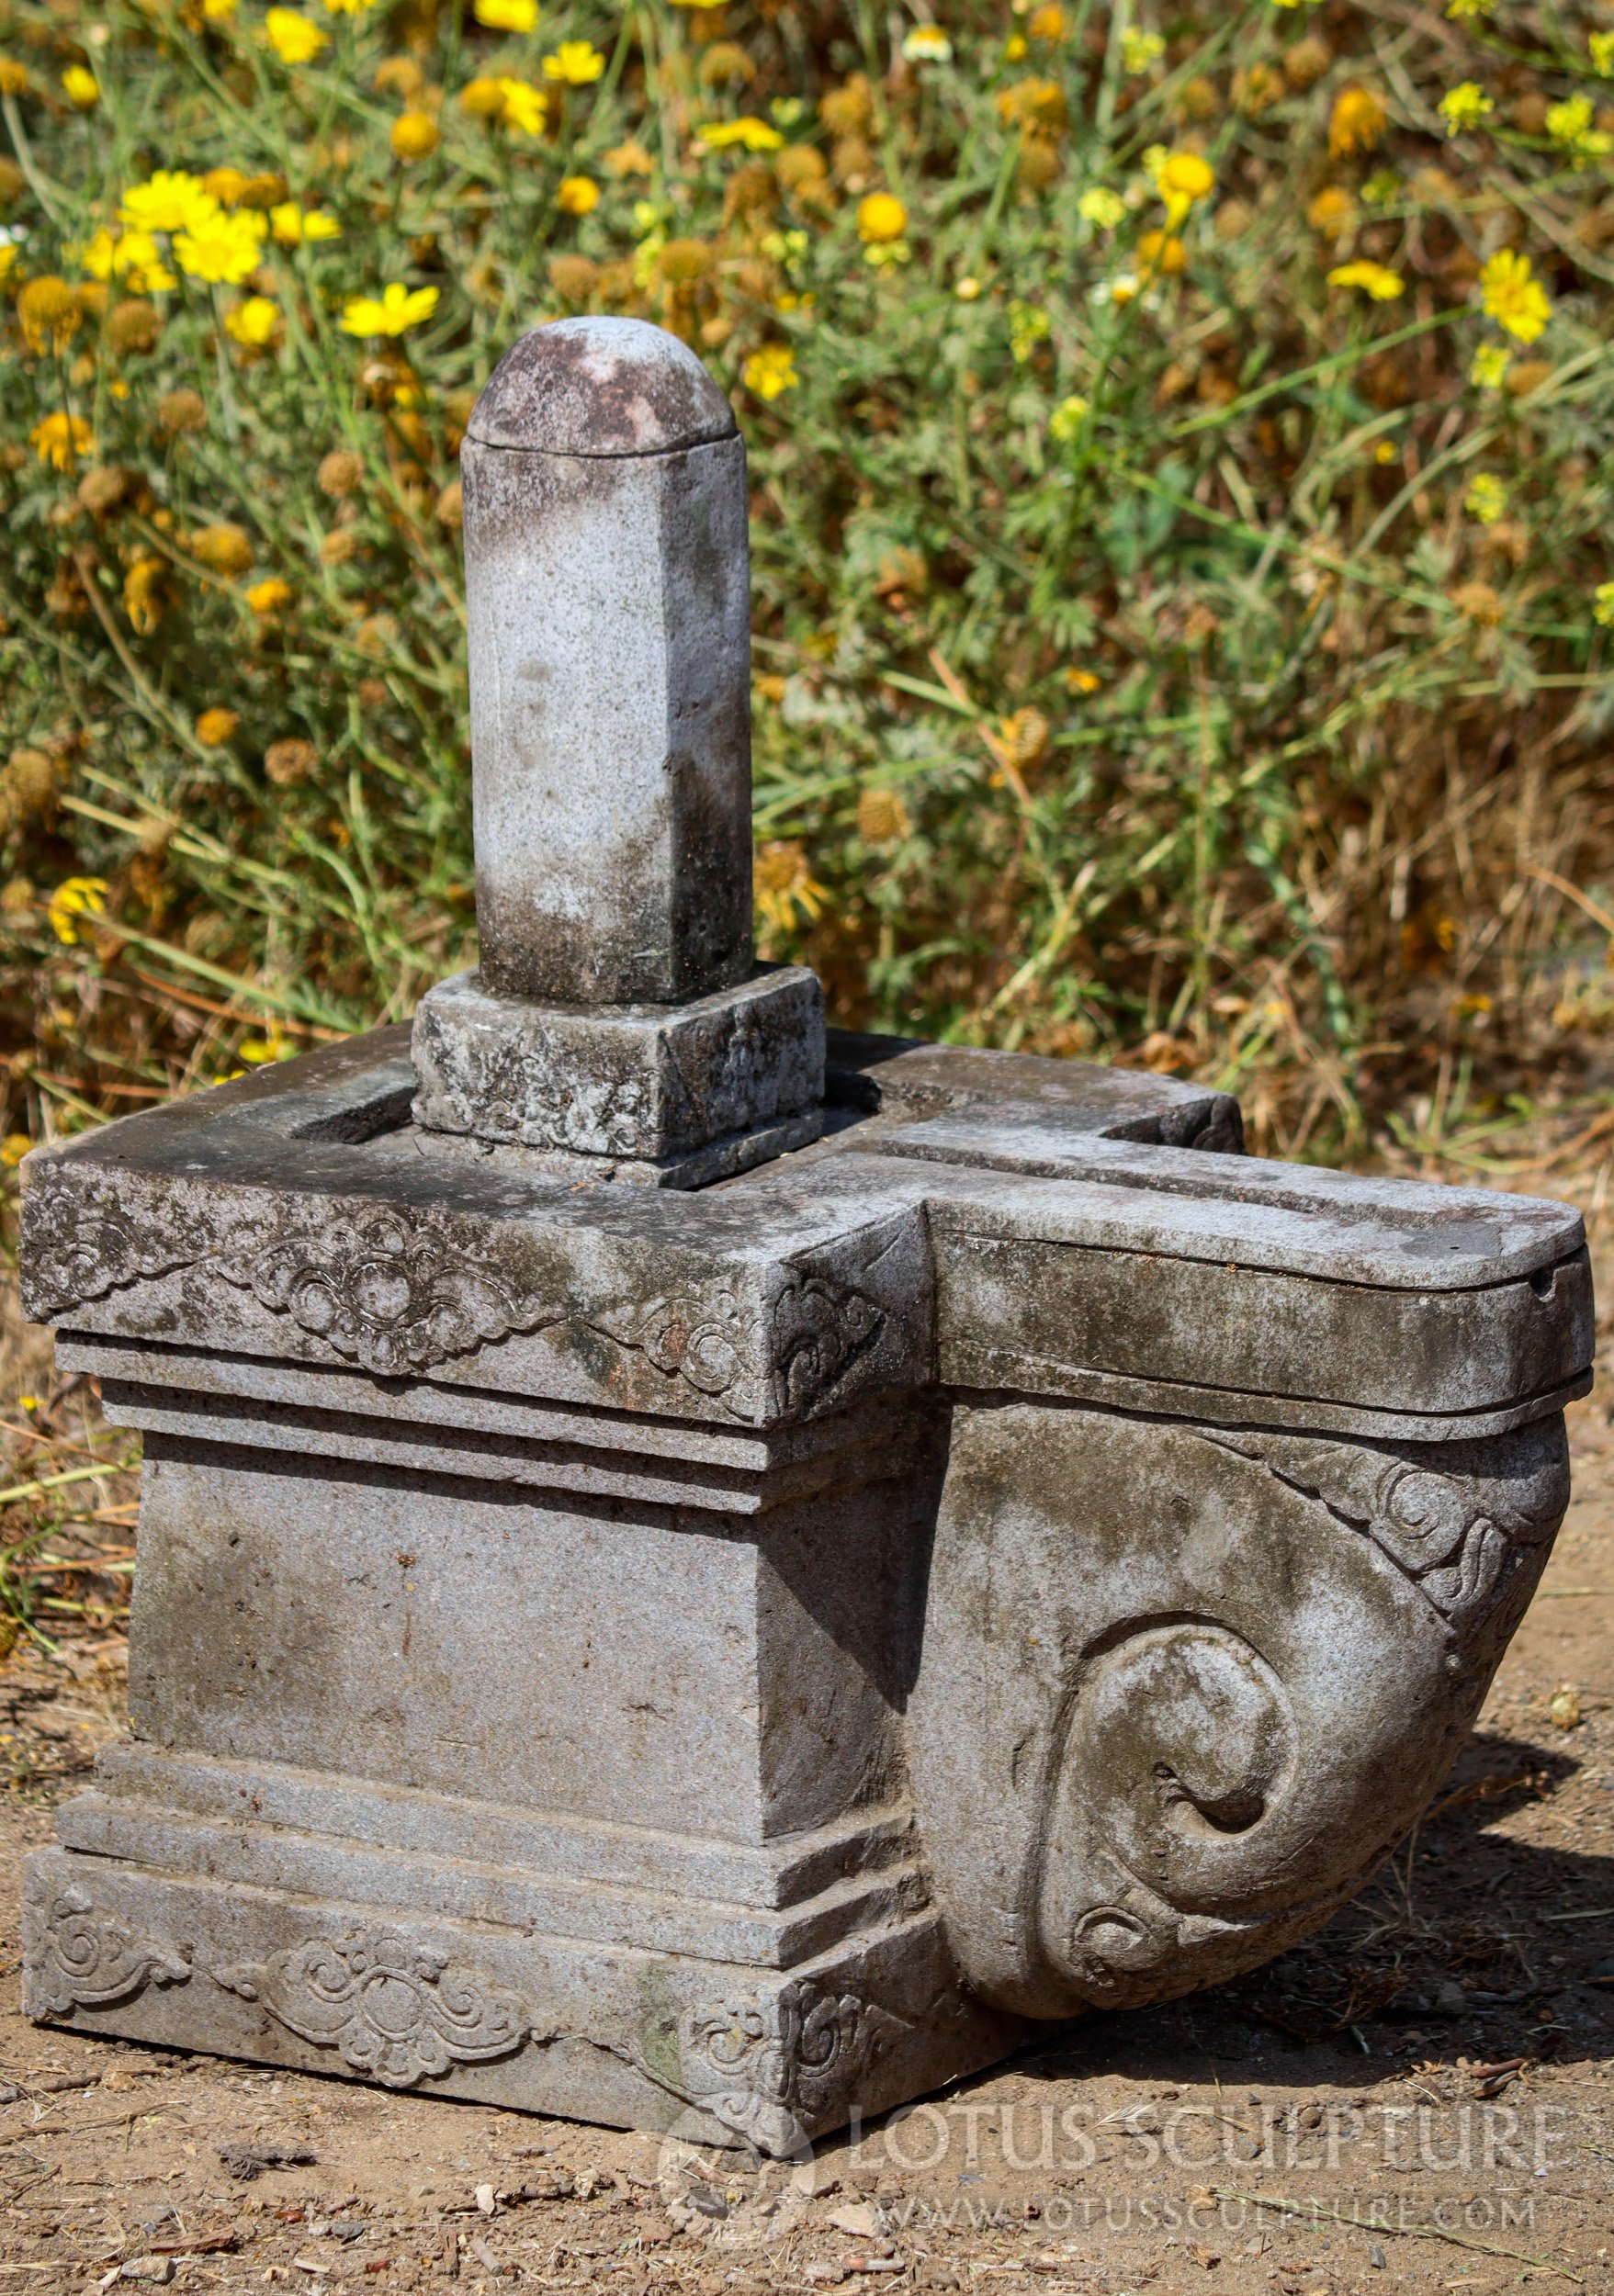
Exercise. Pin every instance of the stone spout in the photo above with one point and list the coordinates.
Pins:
(1224, 1673)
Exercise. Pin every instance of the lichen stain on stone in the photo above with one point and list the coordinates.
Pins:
(597, 388)
(658, 2042)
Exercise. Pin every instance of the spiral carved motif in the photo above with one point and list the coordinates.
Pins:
(1180, 1739)
(1242, 1665)
(87, 1956)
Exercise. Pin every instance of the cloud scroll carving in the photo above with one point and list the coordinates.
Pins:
(393, 2012)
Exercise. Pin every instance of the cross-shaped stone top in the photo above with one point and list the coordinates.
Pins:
(618, 1012)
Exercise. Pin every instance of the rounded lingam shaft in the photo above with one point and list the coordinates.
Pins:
(606, 591)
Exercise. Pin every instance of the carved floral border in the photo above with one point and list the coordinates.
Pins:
(398, 1293)
(771, 2067)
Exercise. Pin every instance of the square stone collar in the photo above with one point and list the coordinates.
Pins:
(637, 1082)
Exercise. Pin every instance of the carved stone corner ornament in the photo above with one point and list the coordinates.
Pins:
(701, 1572)
(774, 2070)
(85, 1957)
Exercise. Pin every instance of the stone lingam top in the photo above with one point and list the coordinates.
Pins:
(963, 1544)
(618, 1012)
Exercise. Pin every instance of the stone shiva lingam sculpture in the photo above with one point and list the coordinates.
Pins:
(698, 1572)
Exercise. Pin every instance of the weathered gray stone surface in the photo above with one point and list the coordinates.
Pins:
(581, 1594)
(609, 623)
(869, 1265)
(891, 1075)
(714, 2050)
(630, 1082)
(1165, 1663)
(727, 1654)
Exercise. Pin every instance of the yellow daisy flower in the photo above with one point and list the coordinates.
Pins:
(1465, 107)
(575, 63)
(62, 440)
(415, 136)
(721, 135)
(252, 323)
(294, 226)
(1513, 296)
(171, 200)
(222, 249)
(771, 370)
(393, 313)
(75, 897)
(522, 107)
(1374, 279)
(292, 36)
(881, 218)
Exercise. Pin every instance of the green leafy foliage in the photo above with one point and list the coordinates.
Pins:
(1165, 648)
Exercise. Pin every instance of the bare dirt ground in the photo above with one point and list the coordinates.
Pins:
(1418, 2098)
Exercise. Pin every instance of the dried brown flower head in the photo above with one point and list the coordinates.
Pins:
(49, 313)
(725, 64)
(102, 490)
(882, 818)
(179, 410)
(751, 190)
(1039, 160)
(376, 634)
(289, 761)
(1307, 61)
(1480, 603)
(224, 549)
(400, 76)
(573, 277)
(133, 325)
(681, 261)
(847, 110)
(1257, 89)
(341, 473)
(1038, 103)
(627, 159)
(28, 785)
(262, 191)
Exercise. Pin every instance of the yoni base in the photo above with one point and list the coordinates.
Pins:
(719, 2051)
